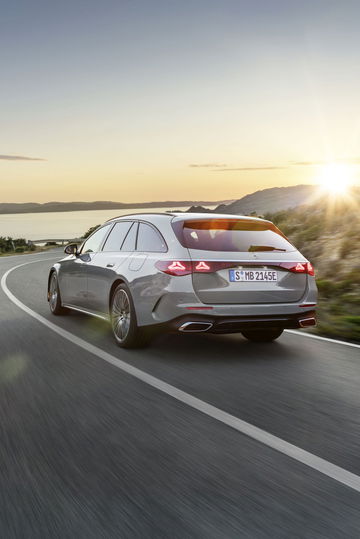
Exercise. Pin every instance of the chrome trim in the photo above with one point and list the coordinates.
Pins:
(171, 214)
(311, 318)
(184, 326)
(84, 311)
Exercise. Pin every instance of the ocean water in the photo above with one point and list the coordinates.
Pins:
(60, 225)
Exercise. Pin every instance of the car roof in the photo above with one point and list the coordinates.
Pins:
(142, 215)
(182, 216)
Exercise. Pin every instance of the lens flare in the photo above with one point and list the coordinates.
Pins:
(336, 178)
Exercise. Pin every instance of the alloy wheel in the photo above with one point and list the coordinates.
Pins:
(53, 292)
(121, 314)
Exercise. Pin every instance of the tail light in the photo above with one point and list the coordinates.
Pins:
(299, 267)
(202, 266)
(310, 269)
(186, 267)
(175, 267)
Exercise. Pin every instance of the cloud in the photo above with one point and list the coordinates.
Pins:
(217, 167)
(207, 165)
(351, 160)
(307, 163)
(20, 158)
(223, 167)
(249, 168)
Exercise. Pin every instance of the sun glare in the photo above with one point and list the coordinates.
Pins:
(336, 178)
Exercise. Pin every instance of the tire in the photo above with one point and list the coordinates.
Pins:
(262, 335)
(123, 320)
(55, 297)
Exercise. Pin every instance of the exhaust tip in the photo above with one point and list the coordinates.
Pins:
(306, 322)
(195, 326)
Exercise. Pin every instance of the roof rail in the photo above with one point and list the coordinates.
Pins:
(171, 214)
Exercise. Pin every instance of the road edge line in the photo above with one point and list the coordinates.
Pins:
(320, 338)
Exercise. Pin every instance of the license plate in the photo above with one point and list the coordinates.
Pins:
(252, 275)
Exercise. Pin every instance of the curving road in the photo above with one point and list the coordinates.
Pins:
(196, 437)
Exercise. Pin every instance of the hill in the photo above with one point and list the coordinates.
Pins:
(270, 200)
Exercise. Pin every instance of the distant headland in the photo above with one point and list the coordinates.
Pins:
(34, 207)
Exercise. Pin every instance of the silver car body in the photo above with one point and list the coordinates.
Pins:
(86, 280)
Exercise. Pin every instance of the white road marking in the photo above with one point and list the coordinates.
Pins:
(337, 473)
(319, 338)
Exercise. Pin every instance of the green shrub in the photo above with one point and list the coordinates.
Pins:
(90, 231)
(326, 288)
(351, 297)
(20, 242)
(346, 247)
(352, 320)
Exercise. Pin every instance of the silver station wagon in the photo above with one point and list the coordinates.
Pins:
(186, 272)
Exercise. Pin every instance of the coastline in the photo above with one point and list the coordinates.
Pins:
(57, 207)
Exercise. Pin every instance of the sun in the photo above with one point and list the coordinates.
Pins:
(336, 178)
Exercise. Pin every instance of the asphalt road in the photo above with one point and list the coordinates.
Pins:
(89, 451)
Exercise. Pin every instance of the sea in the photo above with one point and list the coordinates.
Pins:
(61, 225)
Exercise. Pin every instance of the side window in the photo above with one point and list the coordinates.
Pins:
(149, 239)
(92, 244)
(117, 236)
(130, 240)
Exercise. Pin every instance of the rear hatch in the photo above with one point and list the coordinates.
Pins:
(242, 260)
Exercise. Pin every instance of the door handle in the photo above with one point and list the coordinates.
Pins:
(110, 265)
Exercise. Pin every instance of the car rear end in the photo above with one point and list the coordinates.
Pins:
(243, 274)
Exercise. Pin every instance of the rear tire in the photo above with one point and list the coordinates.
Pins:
(55, 297)
(123, 320)
(262, 335)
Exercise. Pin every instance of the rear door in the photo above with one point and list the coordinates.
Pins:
(238, 261)
(147, 283)
(107, 264)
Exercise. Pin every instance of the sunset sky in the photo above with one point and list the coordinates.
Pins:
(163, 99)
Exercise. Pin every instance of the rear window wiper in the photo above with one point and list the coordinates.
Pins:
(253, 248)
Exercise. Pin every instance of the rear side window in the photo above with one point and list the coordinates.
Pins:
(239, 235)
(150, 240)
(130, 240)
(117, 236)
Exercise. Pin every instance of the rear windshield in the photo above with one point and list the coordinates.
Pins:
(231, 235)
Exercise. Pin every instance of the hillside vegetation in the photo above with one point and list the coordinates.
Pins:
(270, 200)
(328, 234)
(11, 246)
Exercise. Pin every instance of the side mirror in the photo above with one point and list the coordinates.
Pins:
(71, 249)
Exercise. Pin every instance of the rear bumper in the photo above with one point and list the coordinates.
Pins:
(178, 303)
(236, 324)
